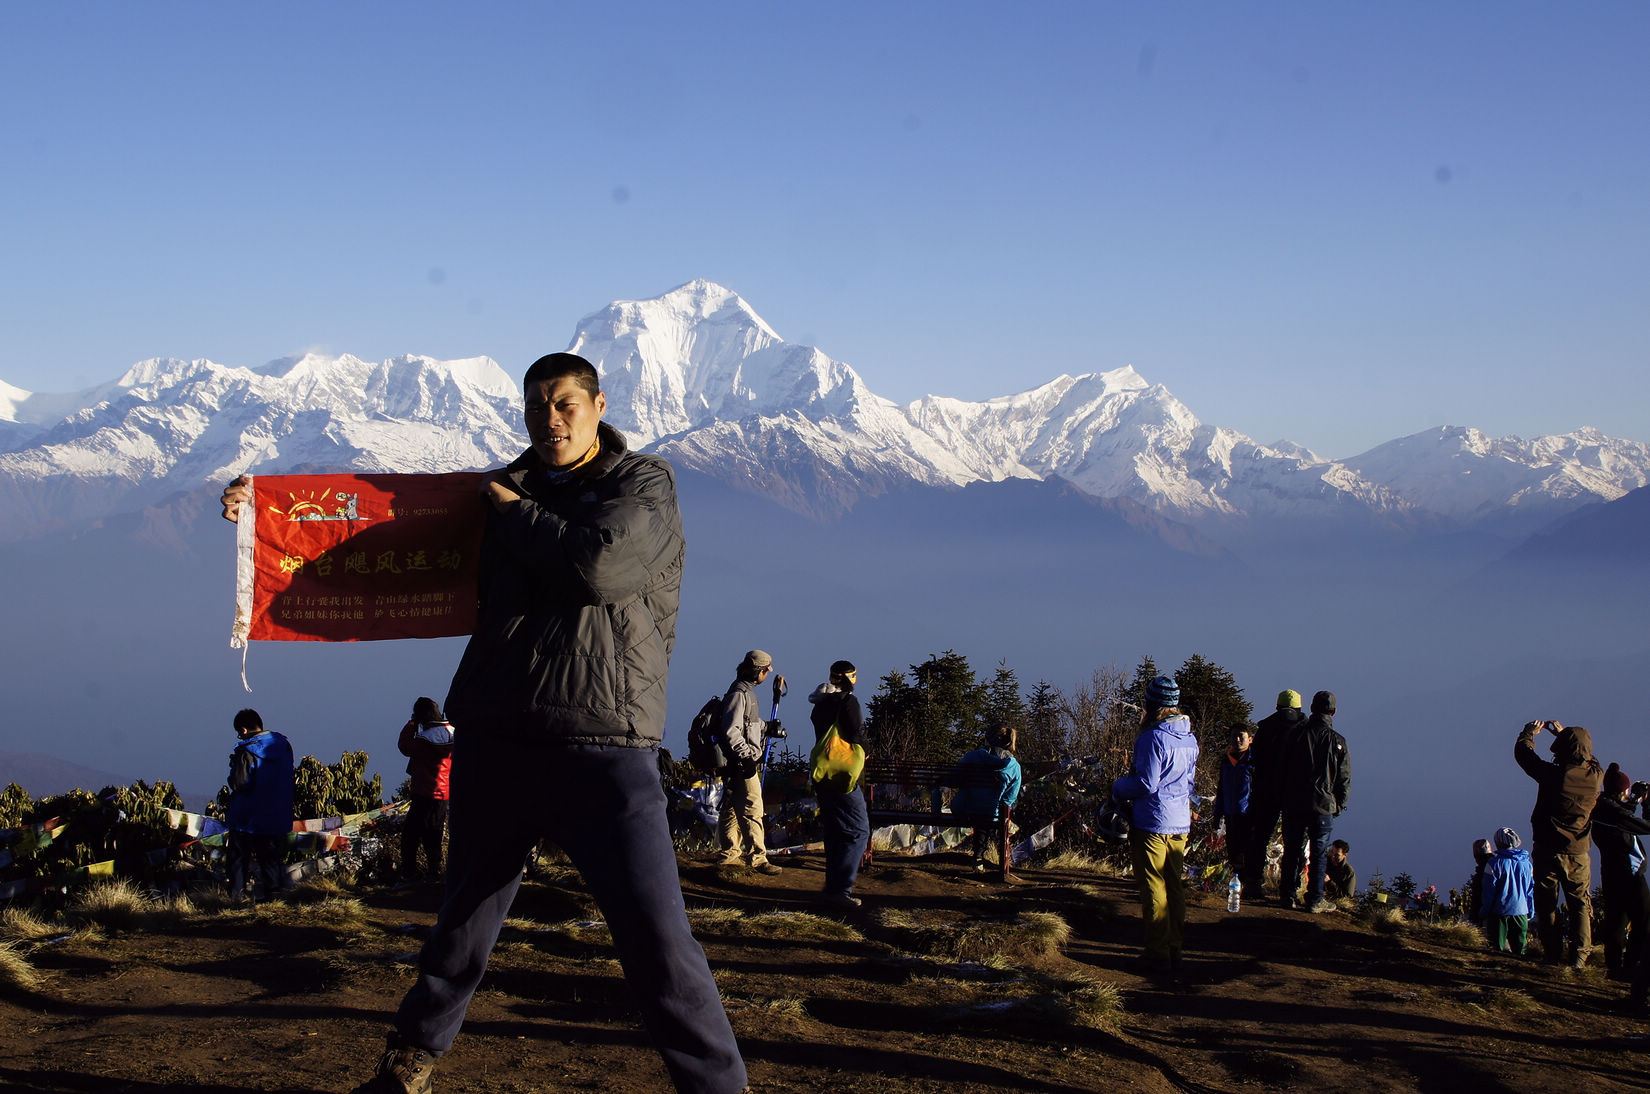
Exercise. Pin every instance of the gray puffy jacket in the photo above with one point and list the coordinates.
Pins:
(578, 585)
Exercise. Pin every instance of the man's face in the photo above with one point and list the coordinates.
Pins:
(1337, 855)
(1242, 741)
(561, 419)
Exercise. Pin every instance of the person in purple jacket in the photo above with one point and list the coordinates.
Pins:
(1158, 788)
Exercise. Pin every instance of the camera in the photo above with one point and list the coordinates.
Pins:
(776, 731)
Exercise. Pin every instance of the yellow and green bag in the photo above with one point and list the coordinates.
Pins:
(836, 764)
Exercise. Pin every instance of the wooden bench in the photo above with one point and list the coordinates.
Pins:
(911, 793)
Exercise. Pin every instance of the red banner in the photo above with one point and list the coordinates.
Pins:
(351, 558)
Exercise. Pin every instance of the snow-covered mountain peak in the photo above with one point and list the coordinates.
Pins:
(697, 374)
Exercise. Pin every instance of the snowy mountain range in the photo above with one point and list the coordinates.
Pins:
(699, 376)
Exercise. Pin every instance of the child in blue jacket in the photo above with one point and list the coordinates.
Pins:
(1509, 894)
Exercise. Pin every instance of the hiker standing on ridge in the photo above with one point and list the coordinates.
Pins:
(1158, 787)
(1232, 794)
(561, 695)
(843, 815)
(743, 820)
(259, 817)
(1621, 865)
(1562, 834)
(427, 742)
(1266, 791)
(996, 799)
(1507, 889)
(1317, 777)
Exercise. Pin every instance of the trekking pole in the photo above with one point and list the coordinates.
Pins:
(779, 690)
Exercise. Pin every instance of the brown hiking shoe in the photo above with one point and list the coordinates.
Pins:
(402, 1069)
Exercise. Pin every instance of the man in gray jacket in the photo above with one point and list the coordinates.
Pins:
(746, 732)
(561, 693)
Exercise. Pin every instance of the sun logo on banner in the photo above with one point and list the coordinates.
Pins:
(314, 507)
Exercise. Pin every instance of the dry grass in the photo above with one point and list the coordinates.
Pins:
(22, 925)
(318, 890)
(345, 915)
(1093, 1004)
(1384, 918)
(788, 925)
(114, 905)
(1077, 861)
(1459, 933)
(1509, 999)
(1029, 936)
(16, 974)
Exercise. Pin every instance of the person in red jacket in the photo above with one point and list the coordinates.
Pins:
(427, 742)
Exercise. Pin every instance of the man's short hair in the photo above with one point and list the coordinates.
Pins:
(555, 366)
(248, 719)
(1342, 846)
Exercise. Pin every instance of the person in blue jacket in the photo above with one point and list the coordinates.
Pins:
(259, 813)
(1159, 789)
(1509, 894)
(996, 797)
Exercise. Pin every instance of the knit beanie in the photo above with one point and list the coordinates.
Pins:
(1163, 692)
(1289, 699)
(1506, 839)
(1616, 781)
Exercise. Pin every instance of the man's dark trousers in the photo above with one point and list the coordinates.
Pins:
(605, 809)
(1261, 821)
(426, 817)
(1302, 830)
(264, 853)
(847, 829)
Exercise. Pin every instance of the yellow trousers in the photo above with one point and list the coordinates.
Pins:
(1160, 871)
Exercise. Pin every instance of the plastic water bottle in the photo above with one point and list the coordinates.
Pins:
(1234, 891)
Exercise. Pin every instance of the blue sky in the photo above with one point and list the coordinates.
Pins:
(1334, 223)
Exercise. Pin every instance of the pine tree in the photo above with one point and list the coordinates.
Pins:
(1210, 696)
(1004, 705)
(933, 715)
(1042, 737)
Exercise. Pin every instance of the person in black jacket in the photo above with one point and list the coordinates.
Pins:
(560, 694)
(1621, 861)
(1266, 790)
(1317, 777)
(843, 815)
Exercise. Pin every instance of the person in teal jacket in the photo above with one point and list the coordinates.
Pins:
(995, 797)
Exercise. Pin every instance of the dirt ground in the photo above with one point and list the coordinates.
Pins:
(295, 997)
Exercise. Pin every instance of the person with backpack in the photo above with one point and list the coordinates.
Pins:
(427, 742)
(1158, 786)
(995, 798)
(842, 813)
(743, 821)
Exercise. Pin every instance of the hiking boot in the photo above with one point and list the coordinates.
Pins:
(1323, 906)
(402, 1069)
(769, 868)
(842, 902)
